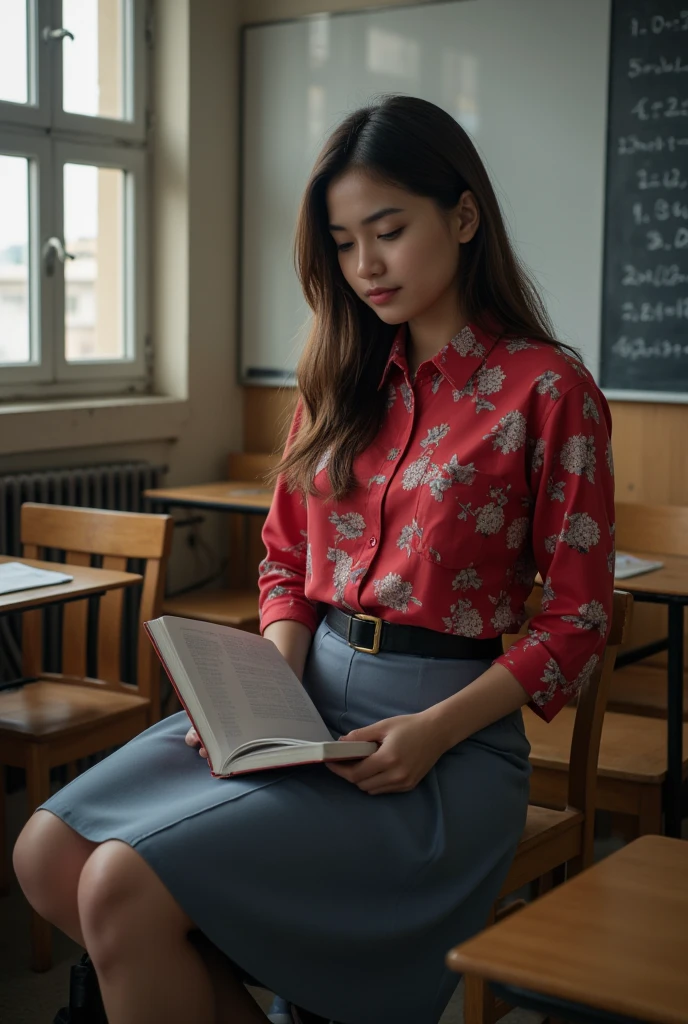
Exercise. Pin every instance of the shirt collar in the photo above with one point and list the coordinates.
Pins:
(457, 361)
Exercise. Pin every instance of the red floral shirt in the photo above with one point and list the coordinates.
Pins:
(493, 464)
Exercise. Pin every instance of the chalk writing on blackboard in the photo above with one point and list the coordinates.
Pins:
(645, 296)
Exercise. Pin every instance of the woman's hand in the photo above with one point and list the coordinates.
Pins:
(192, 739)
(409, 747)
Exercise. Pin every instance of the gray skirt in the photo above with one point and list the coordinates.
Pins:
(341, 902)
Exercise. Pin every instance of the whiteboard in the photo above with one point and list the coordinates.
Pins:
(527, 79)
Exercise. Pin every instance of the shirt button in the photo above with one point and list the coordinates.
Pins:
(373, 542)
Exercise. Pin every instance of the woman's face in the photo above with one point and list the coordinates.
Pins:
(398, 251)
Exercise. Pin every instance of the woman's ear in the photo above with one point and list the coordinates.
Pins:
(467, 217)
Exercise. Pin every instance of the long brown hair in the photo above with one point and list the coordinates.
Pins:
(416, 146)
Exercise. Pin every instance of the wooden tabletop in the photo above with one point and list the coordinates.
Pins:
(671, 579)
(86, 581)
(614, 938)
(226, 495)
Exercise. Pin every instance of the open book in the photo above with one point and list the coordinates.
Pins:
(246, 704)
(626, 566)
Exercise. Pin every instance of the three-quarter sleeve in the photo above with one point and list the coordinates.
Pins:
(285, 569)
(573, 545)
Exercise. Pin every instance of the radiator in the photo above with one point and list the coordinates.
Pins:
(117, 486)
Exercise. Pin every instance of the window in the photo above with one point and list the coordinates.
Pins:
(73, 203)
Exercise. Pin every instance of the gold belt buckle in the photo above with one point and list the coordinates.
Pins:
(376, 636)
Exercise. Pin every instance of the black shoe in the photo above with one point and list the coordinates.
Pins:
(85, 1002)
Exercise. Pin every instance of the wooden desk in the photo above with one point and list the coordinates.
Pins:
(612, 940)
(87, 582)
(222, 496)
(669, 586)
(239, 604)
(242, 497)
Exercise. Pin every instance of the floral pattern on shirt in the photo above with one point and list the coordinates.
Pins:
(492, 464)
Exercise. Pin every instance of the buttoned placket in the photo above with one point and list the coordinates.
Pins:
(367, 553)
(370, 542)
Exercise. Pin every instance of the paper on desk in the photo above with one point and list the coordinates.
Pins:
(17, 576)
(626, 566)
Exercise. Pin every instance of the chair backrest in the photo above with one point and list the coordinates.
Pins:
(116, 537)
(653, 529)
(591, 706)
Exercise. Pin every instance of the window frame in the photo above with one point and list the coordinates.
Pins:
(134, 260)
(49, 138)
(135, 20)
(41, 366)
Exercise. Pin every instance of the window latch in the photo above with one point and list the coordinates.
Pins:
(53, 249)
(53, 35)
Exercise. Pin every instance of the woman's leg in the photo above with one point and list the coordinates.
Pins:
(49, 857)
(138, 938)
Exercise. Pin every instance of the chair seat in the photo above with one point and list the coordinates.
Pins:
(44, 710)
(544, 823)
(550, 838)
(642, 690)
(226, 607)
(633, 748)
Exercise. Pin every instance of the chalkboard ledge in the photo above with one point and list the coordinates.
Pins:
(667, 397)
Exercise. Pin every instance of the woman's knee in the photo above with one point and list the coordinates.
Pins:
(122, 903)
(48, 858)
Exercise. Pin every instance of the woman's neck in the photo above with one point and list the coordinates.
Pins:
(424, 340)
(434, 328)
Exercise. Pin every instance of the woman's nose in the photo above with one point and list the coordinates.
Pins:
(369, 264)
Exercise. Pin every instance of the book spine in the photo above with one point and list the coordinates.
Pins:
(176, 690)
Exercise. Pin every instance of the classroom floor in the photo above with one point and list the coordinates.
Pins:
(29, 998)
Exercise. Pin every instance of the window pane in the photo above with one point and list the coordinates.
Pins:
(93, 61)
(14, 260)
(13, 47)
(94, 284)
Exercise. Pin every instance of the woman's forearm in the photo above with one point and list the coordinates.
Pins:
(293, 640)
(491, 696)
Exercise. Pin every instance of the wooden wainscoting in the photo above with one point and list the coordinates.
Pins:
(650, 444)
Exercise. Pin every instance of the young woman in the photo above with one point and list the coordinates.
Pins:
(444, 449)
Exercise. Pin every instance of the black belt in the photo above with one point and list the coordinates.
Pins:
(369, 634)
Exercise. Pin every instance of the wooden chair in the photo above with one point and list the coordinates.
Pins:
(561, 838)
(237, 604)
(67, 716)
(553, 838)
(632, 764)
(631, 768)
(641, 688)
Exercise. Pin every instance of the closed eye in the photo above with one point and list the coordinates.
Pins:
(390, 236)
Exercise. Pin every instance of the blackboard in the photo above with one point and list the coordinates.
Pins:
(645, 282)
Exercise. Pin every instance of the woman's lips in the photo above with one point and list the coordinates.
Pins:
(382, 296)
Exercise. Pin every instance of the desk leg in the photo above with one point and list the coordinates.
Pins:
(674, 779)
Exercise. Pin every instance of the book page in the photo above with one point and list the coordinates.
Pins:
(244, 685)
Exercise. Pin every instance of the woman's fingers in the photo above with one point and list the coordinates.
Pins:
(192, 739)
